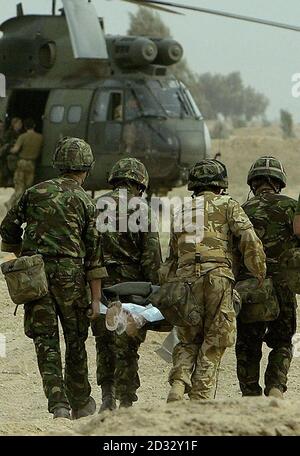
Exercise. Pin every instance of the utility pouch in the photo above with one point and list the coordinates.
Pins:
(290, 265)
(177, 303)
(258, 304)
(26, 278)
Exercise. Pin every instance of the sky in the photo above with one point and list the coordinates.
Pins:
(267, 58)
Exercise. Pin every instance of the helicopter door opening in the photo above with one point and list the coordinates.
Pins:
(28, 103)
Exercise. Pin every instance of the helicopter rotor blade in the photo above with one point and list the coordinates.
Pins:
(156, 7)
(87, 37)
(217, 13)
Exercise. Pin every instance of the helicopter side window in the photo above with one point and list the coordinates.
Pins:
(108, 106)
(74, 114)
(115, 107)
(100, 108)
(169, 93)
(57, 114)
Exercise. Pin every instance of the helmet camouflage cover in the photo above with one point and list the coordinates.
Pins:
(208, 173)
(73, 154)
(267, 167)
(129, 169)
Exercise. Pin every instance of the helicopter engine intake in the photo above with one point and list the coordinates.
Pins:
(169, 52)
(135, 52)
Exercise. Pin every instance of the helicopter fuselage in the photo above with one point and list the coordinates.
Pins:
(120, 110)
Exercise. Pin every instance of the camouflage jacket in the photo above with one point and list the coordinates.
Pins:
(272, 216)
(210, 247)
(128, 255)
(60, 221)
(10, 136)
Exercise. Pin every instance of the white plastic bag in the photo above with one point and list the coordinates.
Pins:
(167, 347)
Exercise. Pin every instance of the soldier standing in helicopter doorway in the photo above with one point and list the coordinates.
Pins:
(28, 147)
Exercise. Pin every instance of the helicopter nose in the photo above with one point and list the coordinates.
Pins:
(194, 140)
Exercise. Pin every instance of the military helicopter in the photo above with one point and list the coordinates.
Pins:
(114, 91)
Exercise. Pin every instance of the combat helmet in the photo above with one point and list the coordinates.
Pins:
(208, 173)
(73, 154)
(267, 167)
(129, 169)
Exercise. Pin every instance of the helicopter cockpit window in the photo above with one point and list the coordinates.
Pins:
(57, 114)
(171, 98)
(74, 114)
(190, 100)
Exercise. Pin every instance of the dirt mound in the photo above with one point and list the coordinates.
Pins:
(248, 416)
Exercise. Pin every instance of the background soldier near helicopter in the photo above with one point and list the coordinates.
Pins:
(272, 216)
(27, 148)
(8, 161)
(60, 219)
(206, 264)
(128, 256)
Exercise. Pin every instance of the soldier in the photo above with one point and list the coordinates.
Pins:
(297, 220)
(203, 260)
(128, 256)
(13, 132)
(28, 147)
(272, 216)
(8, 161)
(61, 227)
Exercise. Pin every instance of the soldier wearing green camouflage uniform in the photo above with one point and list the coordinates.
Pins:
(297, 220)
(203, 258)
(128, 256)
(60, 219)
(272, 216)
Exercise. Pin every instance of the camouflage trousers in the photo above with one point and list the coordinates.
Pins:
(197, 357)
(117, 360)
(67, 301)
(23, 179)
(278, 336)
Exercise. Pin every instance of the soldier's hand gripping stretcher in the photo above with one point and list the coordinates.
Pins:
(95, 287)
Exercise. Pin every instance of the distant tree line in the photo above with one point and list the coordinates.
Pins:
(214, 93)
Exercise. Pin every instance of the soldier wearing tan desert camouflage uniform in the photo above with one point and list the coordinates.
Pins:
(28, 147)
(205, 262)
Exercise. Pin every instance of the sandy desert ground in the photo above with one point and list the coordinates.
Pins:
(23, 409)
